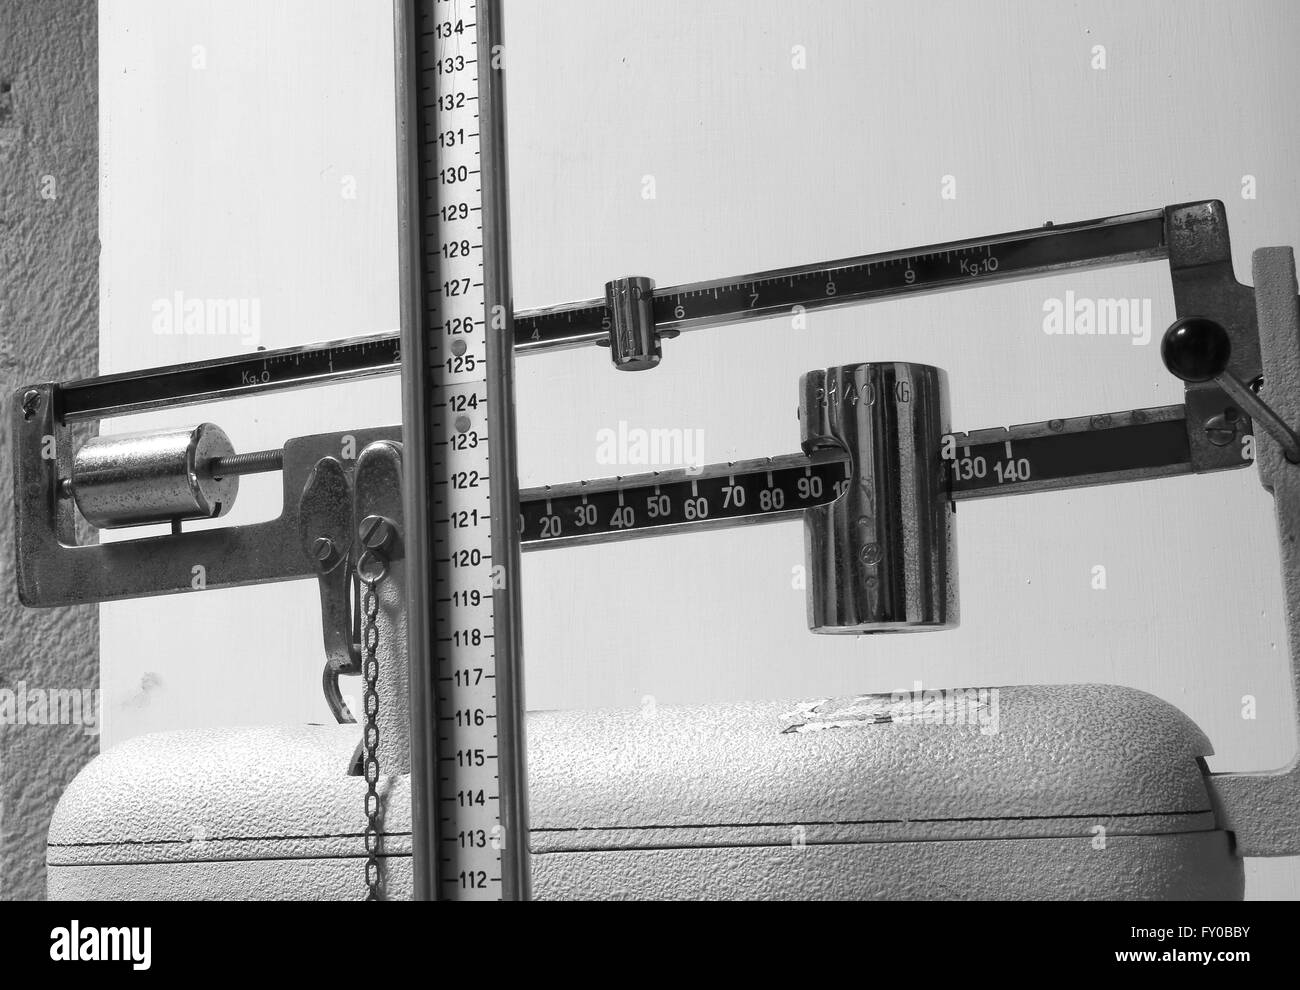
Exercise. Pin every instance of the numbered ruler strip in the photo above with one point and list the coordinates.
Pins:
(1069, 453)
(1113, 448)
(1111, 241)
(768, 489)
(467, 752)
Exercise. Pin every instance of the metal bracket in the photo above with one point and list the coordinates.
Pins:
(325, 526)
(1262, 810)
(53, 569)
(377, 521)
(1204, 284)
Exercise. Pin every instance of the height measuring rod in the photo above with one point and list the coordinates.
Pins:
(469, 821)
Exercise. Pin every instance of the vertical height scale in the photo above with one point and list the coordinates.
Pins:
(470, 827)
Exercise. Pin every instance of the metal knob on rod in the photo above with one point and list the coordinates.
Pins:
(1197, 350)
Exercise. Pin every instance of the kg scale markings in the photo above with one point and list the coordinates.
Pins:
(1049, 250)
(469, 823)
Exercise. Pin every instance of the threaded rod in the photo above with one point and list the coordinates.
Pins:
(257, 462)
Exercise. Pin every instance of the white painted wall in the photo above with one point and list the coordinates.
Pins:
(229, 180)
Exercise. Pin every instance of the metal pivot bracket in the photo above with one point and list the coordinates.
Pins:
(325, 525)
(351, 531)
(378, 522)
(1262, 810)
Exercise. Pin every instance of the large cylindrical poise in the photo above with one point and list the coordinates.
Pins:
(881, 557)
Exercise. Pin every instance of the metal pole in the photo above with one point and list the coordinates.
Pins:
(511, 757)
(469, 808)
(415, 390)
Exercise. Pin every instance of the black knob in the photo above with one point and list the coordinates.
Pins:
(1196, 349)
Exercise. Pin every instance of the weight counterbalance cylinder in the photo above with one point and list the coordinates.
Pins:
(167, 476)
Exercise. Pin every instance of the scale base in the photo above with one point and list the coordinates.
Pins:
(1065, 792)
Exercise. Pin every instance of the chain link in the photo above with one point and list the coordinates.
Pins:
(370, 738)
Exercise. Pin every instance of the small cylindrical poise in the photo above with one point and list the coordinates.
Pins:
(881, 557)
(633, 339)
(136, 479)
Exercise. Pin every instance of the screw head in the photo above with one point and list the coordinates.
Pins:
(376, 532)
(1221, 430)
(324, 552)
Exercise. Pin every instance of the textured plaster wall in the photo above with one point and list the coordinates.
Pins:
(49, 296)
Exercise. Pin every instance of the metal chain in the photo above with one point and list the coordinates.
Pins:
(370, 738)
